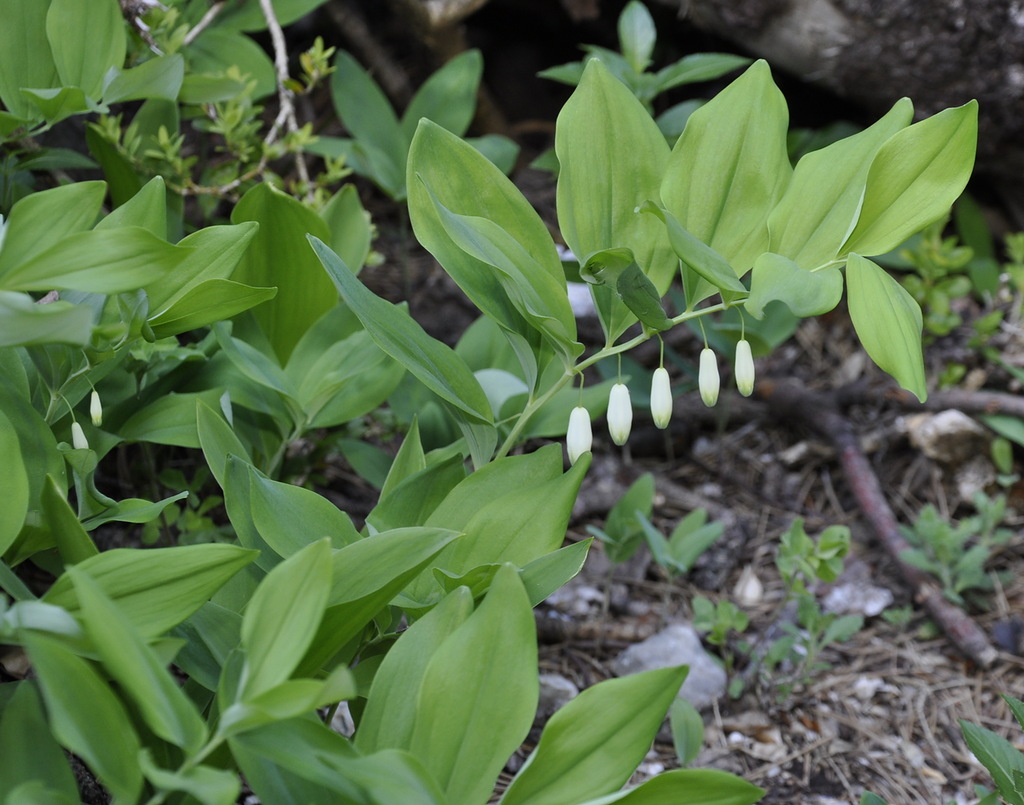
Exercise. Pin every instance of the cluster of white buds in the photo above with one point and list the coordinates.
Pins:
(579, 437)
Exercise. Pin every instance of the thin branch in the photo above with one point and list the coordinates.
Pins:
(970, 402)
(204, 23)
(287, 113)
(794, 402)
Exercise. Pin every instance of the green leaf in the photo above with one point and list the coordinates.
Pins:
(460, 178)
(208, 302)
(304, 293)
(246, 17)
(448, 97)
(207, 785)
(594, 743)
(40, 220)
(815, 215)
(30, 751)
(86, 717)
(15, 483)
(217, 49)
(637, 35)
(550, 572)
(147, 208)
(214, 253)
(218, 441)
(135, 667)
(168, 420)
(805, 293)
(537, 295)
(698, 67)
(601, 184)
(350, 226)
(156, 588)
(1003, 761)
(408, 461)
(25, 56)
(133, 510)
(367, 114)
(258, 367)
(436, 365)
(914, 179)
(69, 536)
(413, 500)
(479, 693)
(58, 104)
(888, 323)
(87, 38)
(276, 507)
(201, 88)
(692, 786)
(157, 78)
(282, 618)
(24, 323)
(730, 166)
(101, 261)
(391, 707)
(687, 730)
(367, 575)
(290, 699)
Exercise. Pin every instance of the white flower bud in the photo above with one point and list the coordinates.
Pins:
(744, 369)
(661, 397)
(620, 414)
(78, 440)
(748, 591)
(578, 438)
(96, 409)
(707, 378)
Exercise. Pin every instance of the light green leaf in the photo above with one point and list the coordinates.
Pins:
(550, 572)
(147, 208)
(888, 323)
(215, 251)
(282, 618)
(594, 743)
(203, 88)
(207, 785)
(133, 510)
(23, 322)
(408, 461)
(461, 179)
(692, 786)
(601, 184)
(101, 261)
(730, 166)
(805, 293)
(218, 49)
(1004, 761)
(30, 751)
(279, 256)
(698, 67)
(448, 97)
(205, 303)
(436, 365)
(349, 223)
(15, 483)
(87, 38)
(86, 716)
(479, 693)
(170, 419)
(914, 179)
(390, 713)
(819, 208)
(40, 220)
(25, 56)
(57, 104)
(69, 536)
(135, 667)
(637, 35)
(157, 78)
(367, 114)
(277, 507)
(538, 296)
(156, 588)
(687, 730)
(290, 699)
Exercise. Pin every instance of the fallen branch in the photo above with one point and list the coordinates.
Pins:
(794, 402)
(970, 402)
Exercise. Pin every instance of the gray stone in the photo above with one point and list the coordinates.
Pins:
(555, 691)
(677, 644)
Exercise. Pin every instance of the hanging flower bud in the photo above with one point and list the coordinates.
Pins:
(661, 397)
(78, 440)
(620, 414)
(744, 369)
(578, 439)
(707, 377)
(96, 409)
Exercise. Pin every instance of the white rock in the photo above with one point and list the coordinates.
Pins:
(677, 644)
(555, 692)
(949, 436)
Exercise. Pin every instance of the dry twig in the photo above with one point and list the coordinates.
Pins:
(793, 401)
